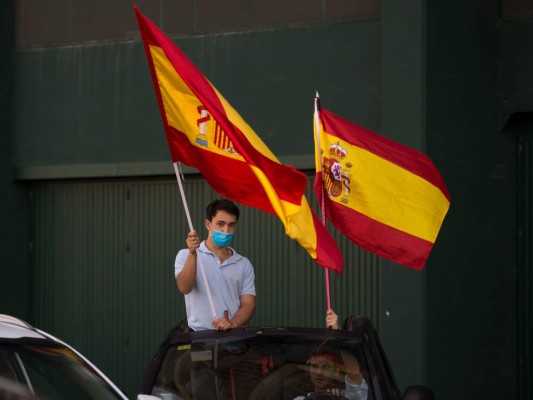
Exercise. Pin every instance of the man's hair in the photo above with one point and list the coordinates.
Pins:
(221, 204)
(328, 353)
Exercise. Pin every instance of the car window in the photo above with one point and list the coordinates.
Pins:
(263, 368)
(55, 373)
(7, 365)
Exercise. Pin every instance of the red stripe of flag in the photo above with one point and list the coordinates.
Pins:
(376, 237)
(281, 176)
(412, 160)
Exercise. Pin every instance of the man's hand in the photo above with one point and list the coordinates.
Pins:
(193, 242)
(222, 324)
(336, 392)
(332, 319)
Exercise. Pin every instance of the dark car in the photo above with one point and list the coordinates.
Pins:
(36, 365)
(271, 363)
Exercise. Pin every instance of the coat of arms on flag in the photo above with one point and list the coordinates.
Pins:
(210, 131)
(336, 175)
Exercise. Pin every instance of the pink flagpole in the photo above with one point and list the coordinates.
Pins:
(322, 203)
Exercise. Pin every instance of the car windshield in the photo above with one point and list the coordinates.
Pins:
(52, 373)
(265, 367)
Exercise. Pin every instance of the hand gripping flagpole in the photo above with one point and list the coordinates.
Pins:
(322, 202)
(187, 213)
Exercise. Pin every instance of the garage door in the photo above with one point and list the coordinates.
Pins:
(103, 254)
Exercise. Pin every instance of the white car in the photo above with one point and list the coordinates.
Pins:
(37, 363)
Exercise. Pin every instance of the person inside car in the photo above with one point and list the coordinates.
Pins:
(335, 374)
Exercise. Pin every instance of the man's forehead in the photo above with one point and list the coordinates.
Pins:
(222, 215)
(325, 356)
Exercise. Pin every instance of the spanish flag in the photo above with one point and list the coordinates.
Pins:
(204, 132)
(385, 197)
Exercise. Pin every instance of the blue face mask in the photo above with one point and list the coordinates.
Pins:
(222, 239)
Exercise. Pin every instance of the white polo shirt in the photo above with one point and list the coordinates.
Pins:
(227, 282)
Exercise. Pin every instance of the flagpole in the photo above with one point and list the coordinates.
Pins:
(191, 228)
(322, 203)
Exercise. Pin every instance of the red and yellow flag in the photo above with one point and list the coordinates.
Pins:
(385, 197)
(203, 131)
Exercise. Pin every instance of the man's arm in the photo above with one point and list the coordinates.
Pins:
(241, 317)
(187, 276)
(356, 386)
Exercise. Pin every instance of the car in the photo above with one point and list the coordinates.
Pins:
(37, 365)
(263, 363)
(12, 390)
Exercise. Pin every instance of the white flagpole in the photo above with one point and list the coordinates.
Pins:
(200, 263)
(318, 163)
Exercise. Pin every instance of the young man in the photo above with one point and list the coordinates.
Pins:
(336, 373)
(230, 276)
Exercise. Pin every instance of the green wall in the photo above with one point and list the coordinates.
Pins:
(95, 104)
(15, 283)
(402, 328)
(515, 80)
(471, 289)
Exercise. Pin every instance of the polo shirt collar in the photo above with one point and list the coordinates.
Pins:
(203, 248)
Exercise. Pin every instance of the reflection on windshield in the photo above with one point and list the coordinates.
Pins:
(53, 373)
(253, 369)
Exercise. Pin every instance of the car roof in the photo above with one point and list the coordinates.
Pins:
(15, 328)
(354, 327)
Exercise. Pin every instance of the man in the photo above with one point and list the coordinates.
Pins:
(327, 367)
(230, 276)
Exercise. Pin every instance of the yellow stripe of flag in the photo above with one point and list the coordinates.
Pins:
(386, 193)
